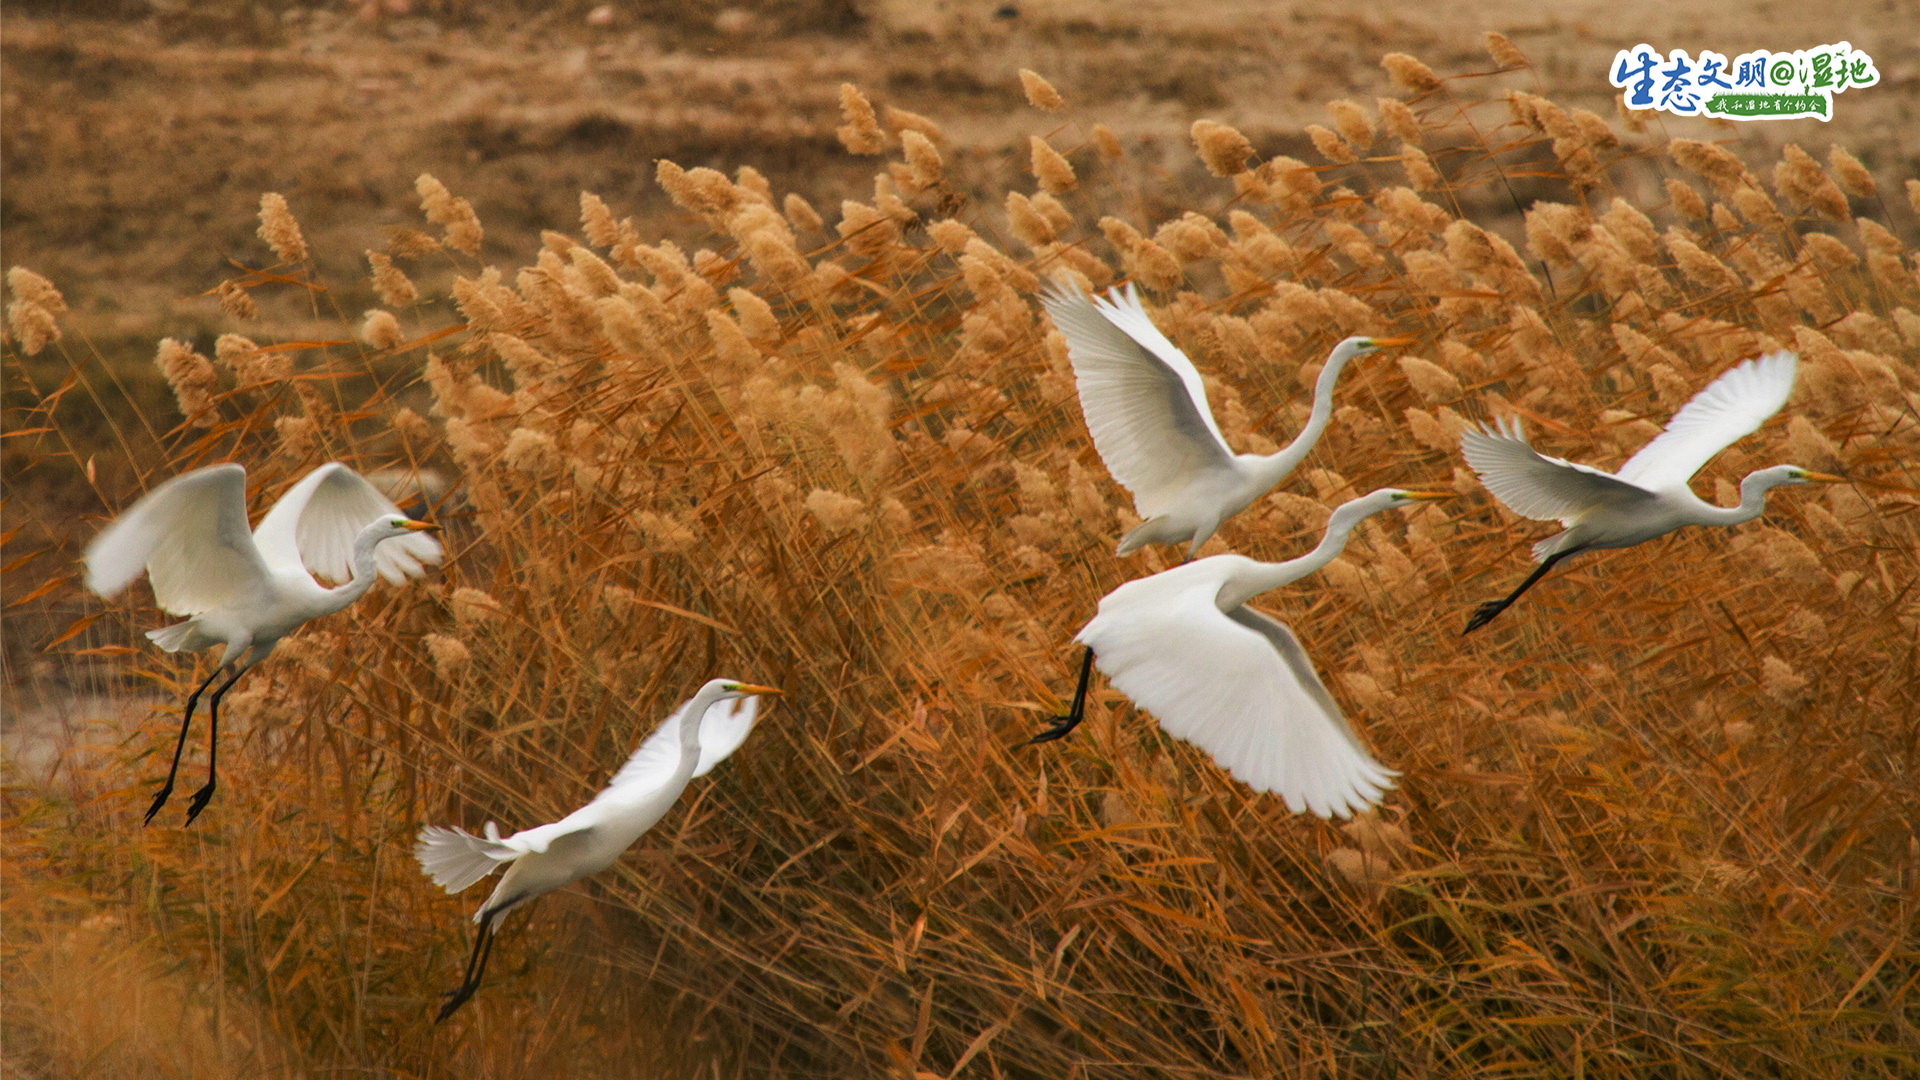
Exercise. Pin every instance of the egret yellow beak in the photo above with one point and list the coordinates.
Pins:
(752, 688)
(1823, 478)
(421, 526)
(1390, 342)
(1429, 496)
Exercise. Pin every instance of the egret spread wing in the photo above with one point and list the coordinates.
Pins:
(1144, 402)
(315, 523)
(1239, 688)
(1533, 485)
(1281, 636)
(721, 733)
(190, 536)
(1733, 405)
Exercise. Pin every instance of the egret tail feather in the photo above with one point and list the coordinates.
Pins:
(172, 638)
(455, 858)
(1147, 532)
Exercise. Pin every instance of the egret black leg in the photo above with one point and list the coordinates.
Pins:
(1062, 725)
(1484, 614)
(166, 790)
(476, 966)
(205, 794)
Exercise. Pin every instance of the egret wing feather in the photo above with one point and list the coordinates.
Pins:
(1124, 310)
(315, 523)
(1143, 399)
(190, 536)
(726, 726)
(1287, 645)
(1536, 486)
(1225, 684)
(1731, 407)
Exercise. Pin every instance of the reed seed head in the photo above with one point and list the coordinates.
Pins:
(1222, 149)
(460, 225)
(861, 133)
(1504, 51)
(1053, 171)
(192, 379)
(1399, 120)
(279, 229)
(1330, 145)
(33, 313)
(1352, 122)
(251, 364)
(1040, 93)
(1409, 73)
(381, 330)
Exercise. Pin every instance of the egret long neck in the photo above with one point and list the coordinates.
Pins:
(1753, 502)
(365, 570)
(1277, 466)
(690, 722)
(1264, 576)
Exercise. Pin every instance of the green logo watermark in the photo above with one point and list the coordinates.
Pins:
(1757, 85)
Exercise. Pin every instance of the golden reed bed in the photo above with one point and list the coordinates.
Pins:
(1658, 822)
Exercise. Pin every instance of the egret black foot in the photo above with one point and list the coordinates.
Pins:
(159, 800)
(455, 998)
(200, 800)
(1483, 615)
(1058, 729)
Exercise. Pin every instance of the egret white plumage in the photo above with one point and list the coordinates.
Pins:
(697, 736)
(1146, 408)
(1183, 645)
(1648, 496)
(247, 590)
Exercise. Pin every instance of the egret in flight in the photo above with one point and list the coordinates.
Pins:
(1183, 645)
(1147, 411)
(1649, 496)
(247, 590)
(698, 736)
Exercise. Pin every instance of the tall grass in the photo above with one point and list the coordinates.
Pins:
(1658, 823)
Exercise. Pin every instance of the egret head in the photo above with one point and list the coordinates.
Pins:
(1383, 499)
(389, 525)
(1781, 475)
(1388, 498)
(1361, 346)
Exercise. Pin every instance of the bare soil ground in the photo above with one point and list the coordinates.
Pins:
(136, 147)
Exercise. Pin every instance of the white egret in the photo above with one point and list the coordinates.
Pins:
(1183, 645)
(248, 590)
(695, 738)
(1648, 496)
(1147, 411)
